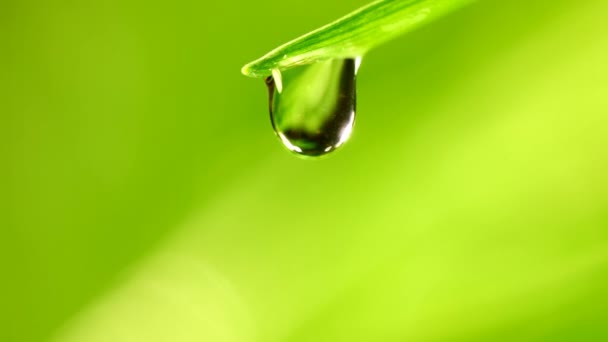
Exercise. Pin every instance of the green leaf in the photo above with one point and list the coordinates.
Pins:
(354, 34)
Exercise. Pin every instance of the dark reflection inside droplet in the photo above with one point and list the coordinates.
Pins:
(312, 107)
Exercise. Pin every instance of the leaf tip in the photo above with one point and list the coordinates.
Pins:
(246, 70)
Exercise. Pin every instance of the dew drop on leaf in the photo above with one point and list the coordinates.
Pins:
(312, 107)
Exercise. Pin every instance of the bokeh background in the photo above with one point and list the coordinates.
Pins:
(144, 196)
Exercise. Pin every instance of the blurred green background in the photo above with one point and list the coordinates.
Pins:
(144, 196)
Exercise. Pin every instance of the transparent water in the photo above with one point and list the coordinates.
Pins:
(312, 107)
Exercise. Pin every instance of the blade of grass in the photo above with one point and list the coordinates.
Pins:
(354, 34)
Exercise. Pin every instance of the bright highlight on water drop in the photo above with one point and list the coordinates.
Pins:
(312, 107)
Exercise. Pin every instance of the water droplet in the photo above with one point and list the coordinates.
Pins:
(312, 107)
